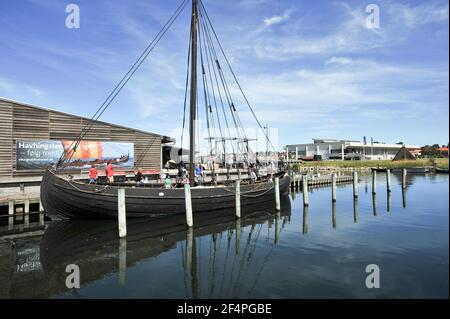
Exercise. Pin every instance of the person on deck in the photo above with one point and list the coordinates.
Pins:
(168, 182)
(93, 175)
(181, 171)
(199, 174)
(139, 177)
(109, 173)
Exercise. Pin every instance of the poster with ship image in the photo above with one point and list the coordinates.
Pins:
(45, 153)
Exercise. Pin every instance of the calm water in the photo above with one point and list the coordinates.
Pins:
(319, 252)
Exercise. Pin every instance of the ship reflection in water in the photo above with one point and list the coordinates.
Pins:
(301, 252)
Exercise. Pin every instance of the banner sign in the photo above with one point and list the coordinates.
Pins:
(42, 154)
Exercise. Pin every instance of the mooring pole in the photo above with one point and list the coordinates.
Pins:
(355, 184)
(27, 206)
(305, 220)
(333, 213)
(122, 261)
(238, 198)
(238, 236)
(388, 180)
(122, 212)
(355, 210)
(374, 204)
(277, 193)
(333, 187)
(404, 178)
(305, 190)
(188, 202)
(11, 208)
(374, 182)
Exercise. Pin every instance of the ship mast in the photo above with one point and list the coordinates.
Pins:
(193, 107)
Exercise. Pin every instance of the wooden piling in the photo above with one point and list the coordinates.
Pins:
(238, 236)
(374, 182)
(11, 208)
(333, 213)
(122, 261)
(305, 190)
(238, 198)
(404, 178)
(188, 202)
(388, 202)
(27, 206)
(277, 227)
(333, 187)
(41, 207)
(122, 212)
(189, 248)
(305, 219)
(374, 204)
(388, 180)
(355, 210)
(277, 194)
(404, 197)
(355, 184)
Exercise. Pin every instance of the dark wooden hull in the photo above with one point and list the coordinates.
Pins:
(66, 199)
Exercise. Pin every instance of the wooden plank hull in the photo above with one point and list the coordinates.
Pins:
(74, 200)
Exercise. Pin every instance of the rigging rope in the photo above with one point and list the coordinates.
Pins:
(203, 9)
(73, 146)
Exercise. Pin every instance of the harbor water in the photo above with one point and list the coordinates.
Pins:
(320, 251)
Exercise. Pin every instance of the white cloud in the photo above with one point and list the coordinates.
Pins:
(415, 16)
(354, 89)
(276, 19)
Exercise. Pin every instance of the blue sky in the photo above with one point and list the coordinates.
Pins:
(309, 68)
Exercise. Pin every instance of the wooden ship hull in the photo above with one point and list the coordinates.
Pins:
(66, 199)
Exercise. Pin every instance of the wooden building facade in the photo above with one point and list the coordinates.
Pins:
(24, 122)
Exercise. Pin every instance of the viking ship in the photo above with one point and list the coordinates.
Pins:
(64, 197)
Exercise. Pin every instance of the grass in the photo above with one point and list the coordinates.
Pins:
(440, 162)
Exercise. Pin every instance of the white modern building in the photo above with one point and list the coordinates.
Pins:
(345, 149)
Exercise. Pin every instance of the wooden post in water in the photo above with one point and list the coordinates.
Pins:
(41, 218)
(10, 222)
(374, 182)
(355, 210)
(122, 261)
(238, 198)
(277, 227)
(333, 187)
(404, 178)
(404, 197)
(238, 236)
(11, 208)
(277, 194)
(189, 248)
(305, 219)
(305, 190)
(388, 180)
(333, 213)
(27, 206)
(374, 204)
(355, 184)
(188, 202)
(122, 212)
(388, 202)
